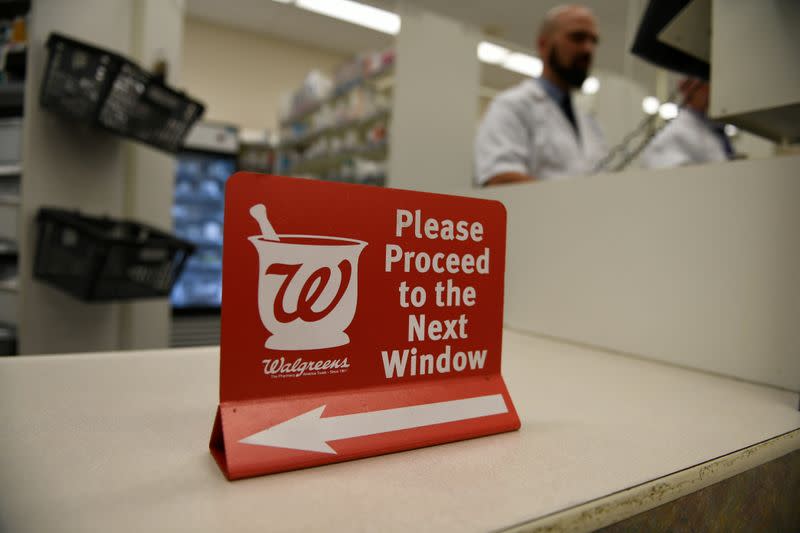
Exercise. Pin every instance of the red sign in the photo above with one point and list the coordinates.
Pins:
(356, 321)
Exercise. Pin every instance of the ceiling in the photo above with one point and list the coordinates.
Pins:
(517, 21)
(291, 23)
(513, 21)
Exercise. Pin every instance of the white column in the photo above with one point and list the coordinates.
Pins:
(68, 165)
(435, 103)
(74, 166)
(157, 36)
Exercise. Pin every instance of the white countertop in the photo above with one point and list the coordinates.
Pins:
(119, 442)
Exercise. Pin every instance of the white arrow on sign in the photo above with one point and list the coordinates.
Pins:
(311, 432)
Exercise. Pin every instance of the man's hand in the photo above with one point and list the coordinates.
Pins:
(509, 177)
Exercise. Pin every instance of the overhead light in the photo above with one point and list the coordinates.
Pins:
(284, 1)
(731, 130)
(590, 85)
(650, 105)
(355, 12)
(517, 61)
(668, 111)
(492, 53)
(524, 64)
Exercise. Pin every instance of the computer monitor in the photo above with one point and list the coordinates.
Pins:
(649, 46)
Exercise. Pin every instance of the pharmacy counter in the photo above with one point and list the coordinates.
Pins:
(118, 442)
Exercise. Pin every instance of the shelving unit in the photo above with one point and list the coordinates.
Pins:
(256, 151)
(8, 265)
(12, 96)
(336, 129)
(9, 200)
(10, 175)
(374, 79)
(10, 170)
(209, 158)
(9, 285)
(9, 186)
(319, 164)
(344, 135)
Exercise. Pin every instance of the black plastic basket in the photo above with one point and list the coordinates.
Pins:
(94, 85)
(102, 259)
(77, 78)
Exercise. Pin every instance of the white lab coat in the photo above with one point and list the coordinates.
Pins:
(525, 131)
(687, 140)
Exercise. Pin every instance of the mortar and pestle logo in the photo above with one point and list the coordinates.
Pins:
(307, 286)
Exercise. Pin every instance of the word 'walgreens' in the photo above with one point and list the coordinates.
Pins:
(299, 367)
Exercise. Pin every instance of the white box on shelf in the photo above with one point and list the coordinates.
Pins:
(10, 140)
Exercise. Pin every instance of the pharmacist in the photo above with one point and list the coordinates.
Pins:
(531, 131)
(691, 138)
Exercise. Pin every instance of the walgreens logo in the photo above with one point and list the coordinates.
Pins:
(280, 367)
(307, 286)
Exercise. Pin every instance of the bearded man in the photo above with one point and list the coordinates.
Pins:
(531, 131)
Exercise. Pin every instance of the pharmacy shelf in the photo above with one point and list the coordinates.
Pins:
(318, 164)
(12, 96)
(204, 268)
(304, 113)
(202, 243)
(10, 170)
(9, 285)
(8, 247)
(336, 129)
(196, 201)
(10, 200)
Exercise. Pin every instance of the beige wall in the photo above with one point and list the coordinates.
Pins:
(240, 76)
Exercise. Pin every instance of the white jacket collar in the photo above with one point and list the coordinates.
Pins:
(537, 91)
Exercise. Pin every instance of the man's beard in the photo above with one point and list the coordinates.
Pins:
(573, 74)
